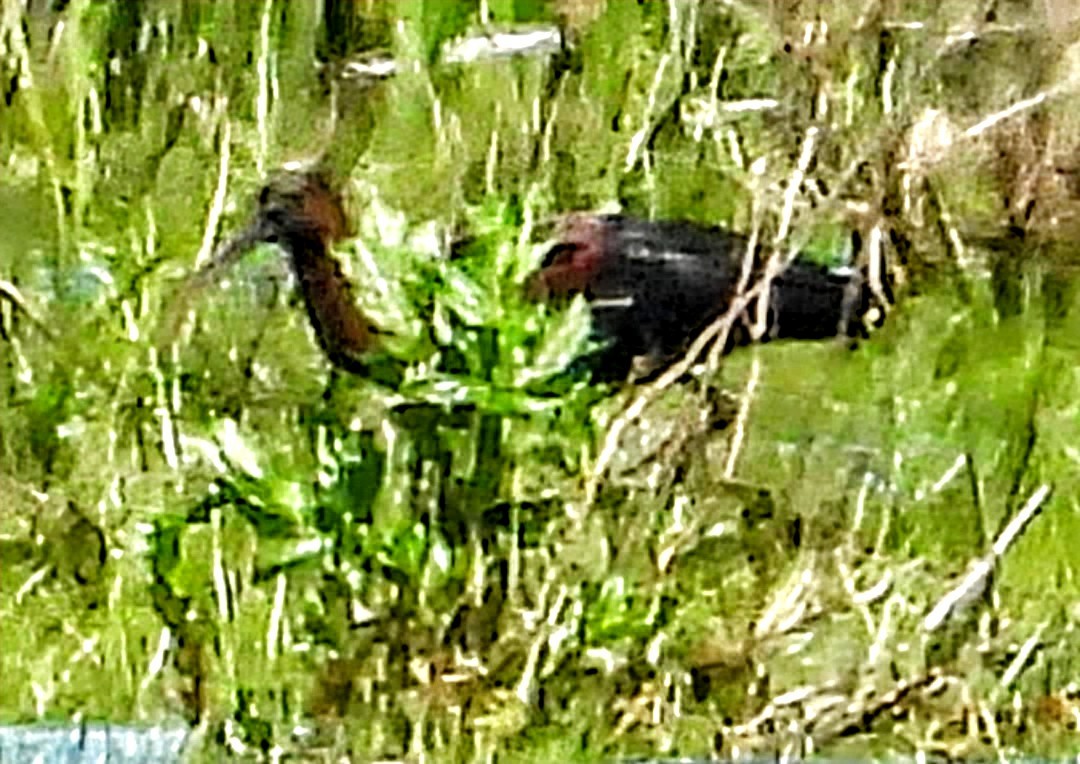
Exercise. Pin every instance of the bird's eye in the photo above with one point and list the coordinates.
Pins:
(276, 215)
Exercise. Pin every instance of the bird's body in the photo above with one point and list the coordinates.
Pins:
(654, 285)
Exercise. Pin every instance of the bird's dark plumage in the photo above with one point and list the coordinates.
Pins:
(654, 285)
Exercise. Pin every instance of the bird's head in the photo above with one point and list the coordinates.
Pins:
(298, 204)
(292, 206)
(296, 210)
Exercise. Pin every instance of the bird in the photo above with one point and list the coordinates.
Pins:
(652, 285)
(303, 213)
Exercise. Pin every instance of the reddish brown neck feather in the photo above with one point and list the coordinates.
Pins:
(342, 329)
(325, 210)
(578, 259)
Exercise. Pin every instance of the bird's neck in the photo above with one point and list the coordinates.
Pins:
(343, 331)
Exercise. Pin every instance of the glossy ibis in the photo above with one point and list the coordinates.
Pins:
(653, 285)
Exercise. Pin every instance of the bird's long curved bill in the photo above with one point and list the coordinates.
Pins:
(227, 254)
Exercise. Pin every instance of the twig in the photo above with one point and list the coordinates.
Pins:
(1028, 103)
(541, 41)
(1023, 657)
(934, 157)
(741, 418)
(11, 293)
(978, 575)
(204, 270)
(206, 247)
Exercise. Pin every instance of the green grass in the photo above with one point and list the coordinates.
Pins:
(438, 572)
